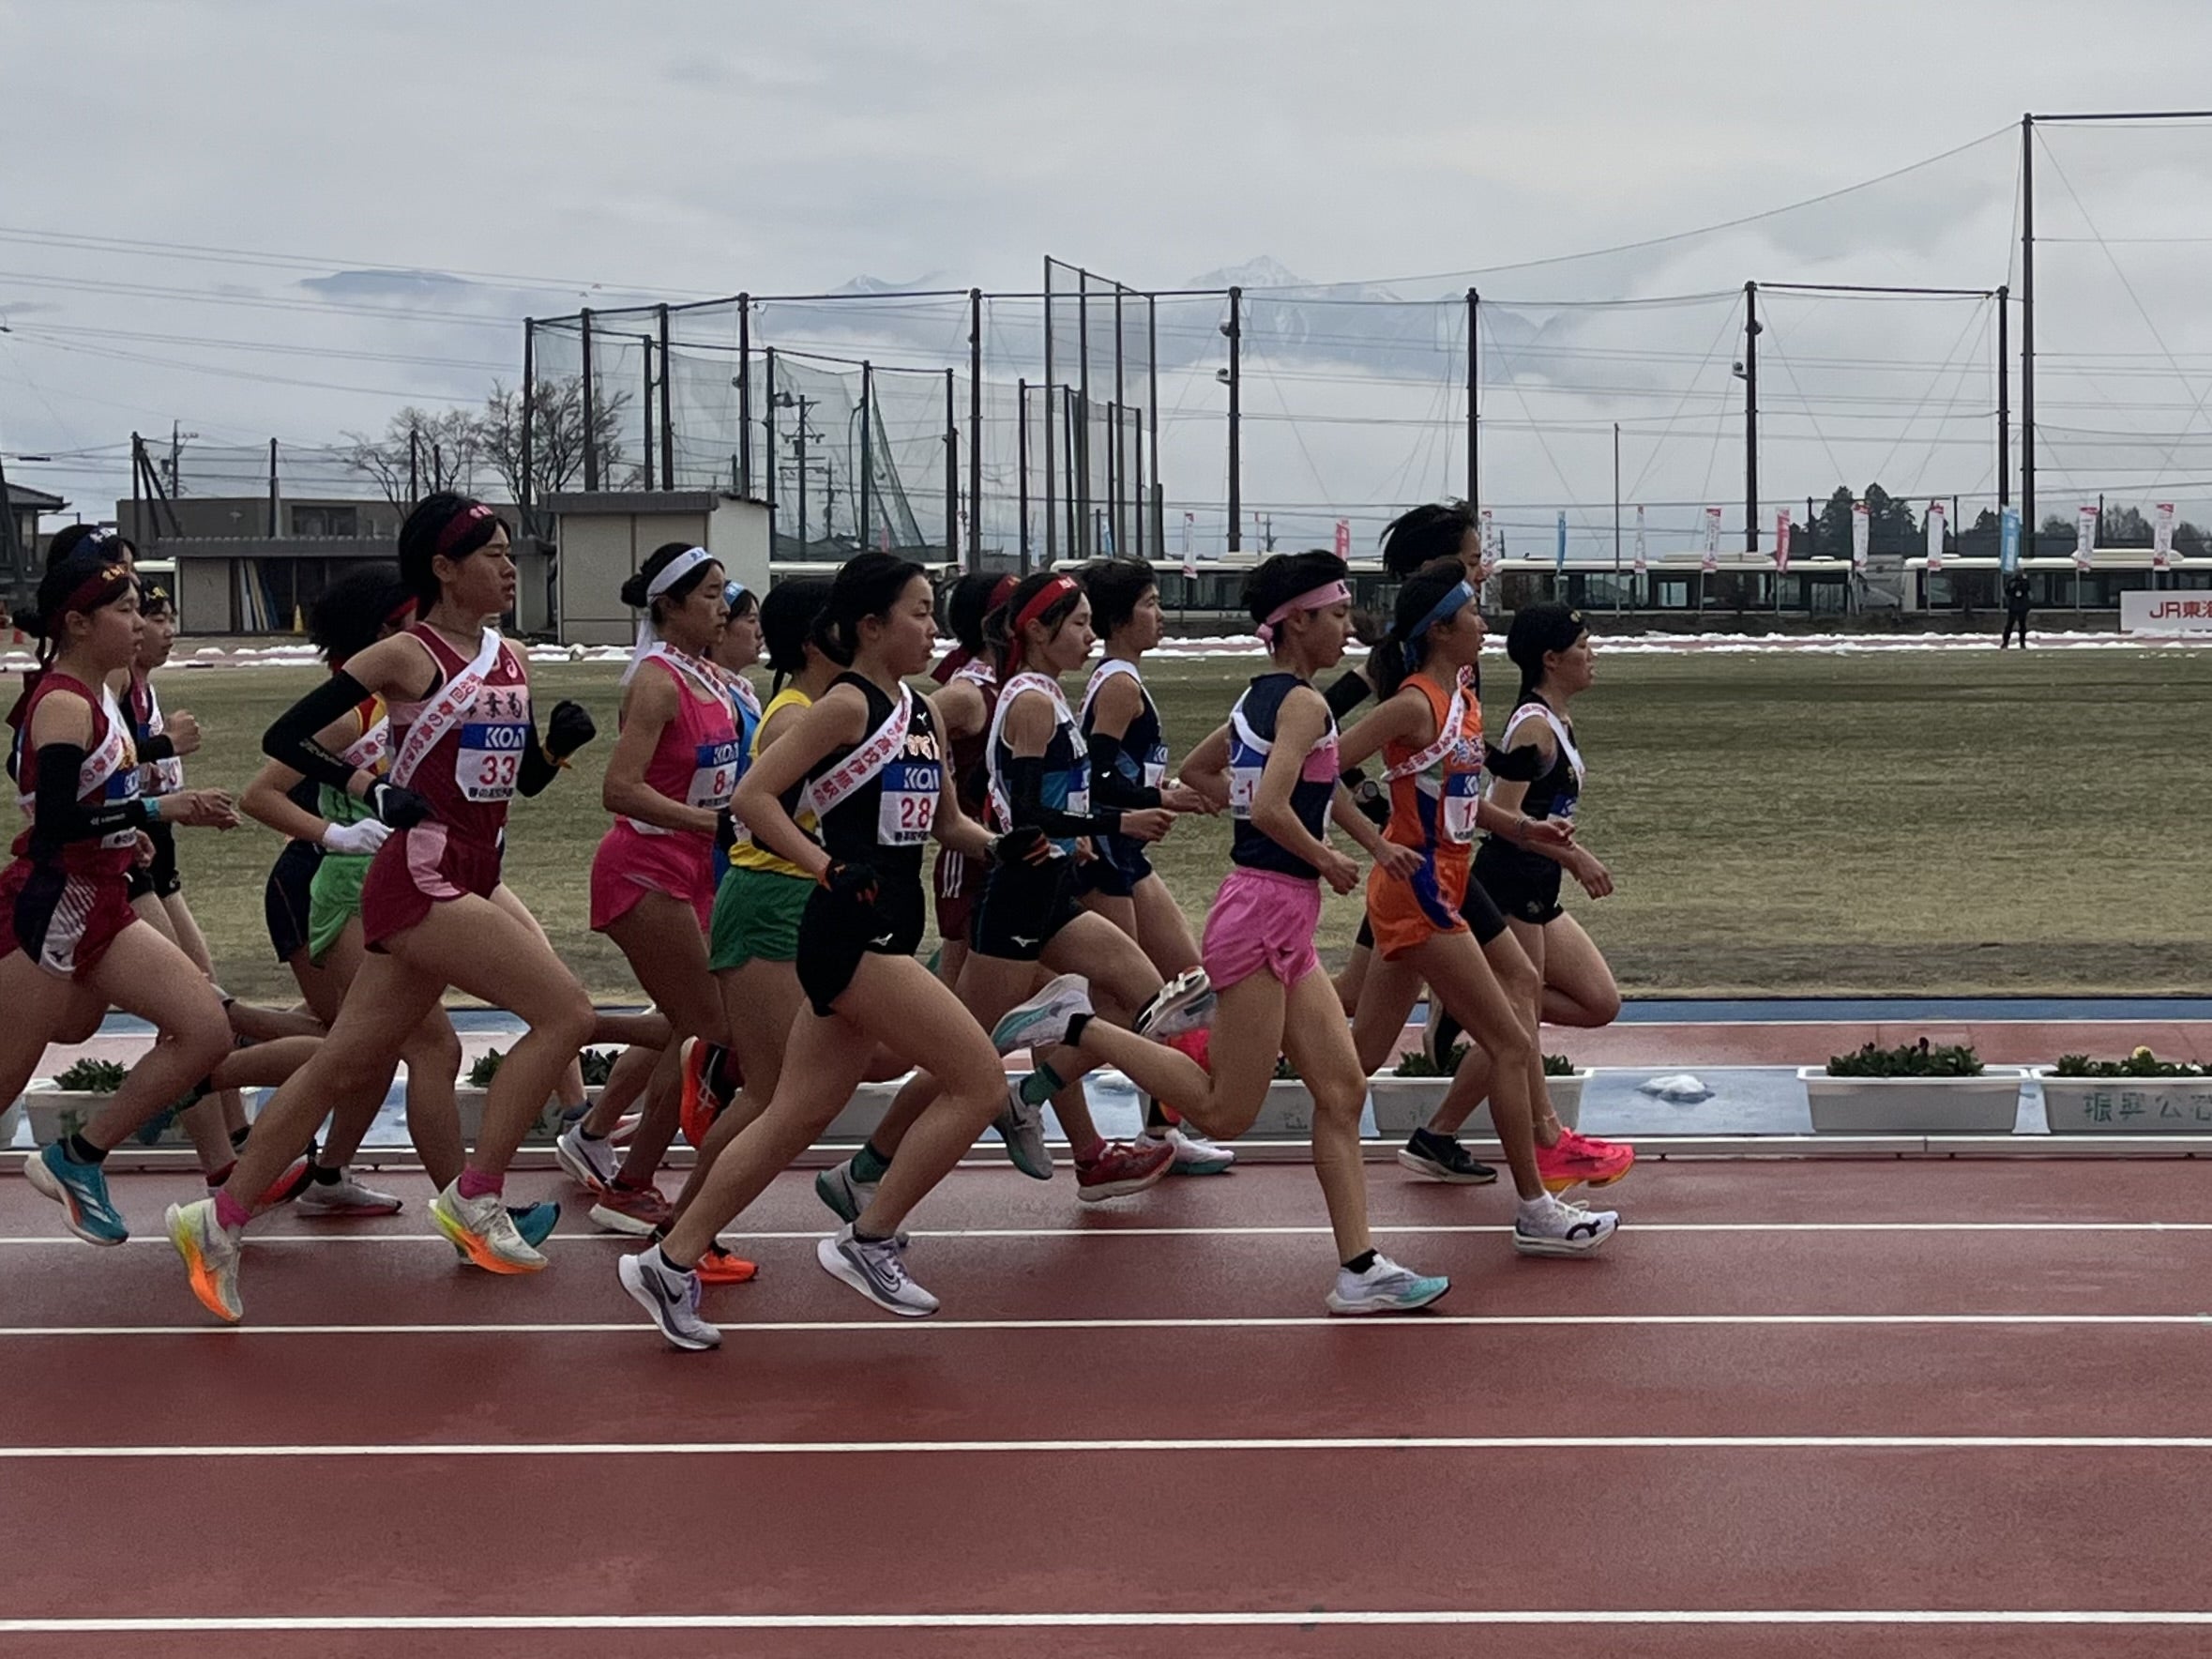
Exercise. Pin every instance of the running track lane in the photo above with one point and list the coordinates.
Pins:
(1678, 1527)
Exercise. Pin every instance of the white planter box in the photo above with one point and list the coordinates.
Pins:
(57, 1112)
(2127, 1105)
(856, 1122)
(551, 1121)
(1987, 1104)
(11, 1121)
(1403, 1104)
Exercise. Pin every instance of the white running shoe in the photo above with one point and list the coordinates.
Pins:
(844, 1196)
(210, 1258)
(1195, 1154)
(346, 1196)
(1184, 1003)
(590, 1164)
(671, 1296)
(1384, 1288)
(1021, 1127)
(483, 1230)
(1043, 1020)
(1548, 1227)
(877, 1269)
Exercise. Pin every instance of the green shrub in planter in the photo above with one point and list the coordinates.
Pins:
(1416, 1062)
(596, 1063)
(89, 1077)
(2142, 1063)
(1912, 1059)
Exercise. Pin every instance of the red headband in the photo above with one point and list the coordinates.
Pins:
(460, 523)
(86, 595)
(1043, 599)
(401, 612)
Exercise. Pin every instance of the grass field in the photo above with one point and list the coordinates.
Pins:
(1779, 824)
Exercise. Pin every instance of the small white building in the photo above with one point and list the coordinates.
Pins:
(601, 539)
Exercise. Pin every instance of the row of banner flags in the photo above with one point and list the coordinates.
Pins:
(1936, 526)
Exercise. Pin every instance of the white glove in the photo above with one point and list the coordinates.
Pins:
(363, 838)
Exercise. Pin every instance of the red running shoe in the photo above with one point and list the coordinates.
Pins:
(288, 1186)
(700, 1106)
(635, 1210)
(720, 1265)
(1575, 1162)
(1618, 1156)
(1122, 1167)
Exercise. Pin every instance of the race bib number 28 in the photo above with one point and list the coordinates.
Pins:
(490, 759)
(909, 807)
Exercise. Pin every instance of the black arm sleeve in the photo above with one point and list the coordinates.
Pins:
(1524, 765)
(292, 741)
(160, 747)
(537, 770)
(1109, 782)
(59, 816)
(1026, 776)
(1350, 691)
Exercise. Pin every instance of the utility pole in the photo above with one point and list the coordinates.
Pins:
(2027, 337)
(1750, 417)
(2004, 403)
(1233, 328)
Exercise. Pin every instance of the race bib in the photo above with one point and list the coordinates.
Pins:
(1156, 767)
(715, 770)
(1462, 792)
(490, 759)
(1248, 759)
(168, 777)
(909, 806)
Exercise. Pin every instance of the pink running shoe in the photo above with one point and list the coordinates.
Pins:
(1122, 1167)
(1618, 1156)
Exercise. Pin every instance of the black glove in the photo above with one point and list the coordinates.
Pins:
(1026, 845)
(851, 880)
(1370, 797)
(569, 729)
(401, 809)
(726, 829)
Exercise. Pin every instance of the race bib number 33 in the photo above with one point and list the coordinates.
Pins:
(490, 759)
(909, 807)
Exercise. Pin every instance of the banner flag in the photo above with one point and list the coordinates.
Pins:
(2009, 540)
(2162, 538)
(1782, 540)
(1641, 565)
(2084, 537)
(1862, 530)
(1938, 521)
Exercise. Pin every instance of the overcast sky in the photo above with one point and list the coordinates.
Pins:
(686, 150)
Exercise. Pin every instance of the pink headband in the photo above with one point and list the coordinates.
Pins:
(1317, 598)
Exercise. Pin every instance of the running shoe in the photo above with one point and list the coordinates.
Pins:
(1618, 1156)
(845, 1197)
(1021, 1127)
(1184, 1003)
(483, 1231)
(80, 1189)
(671, 1296)
(700, 1106)
(346, 1196)
(1195, 1046)
(1043, 1020)
(589, 1163)
(1560, 1228)
(1193, 1153)
(535, 1222)
(877, 1269)
(210, 1258)
(1575, 1160)
(1440, 1157)
(635, 1210)
(292, 1184)
(721, 1265)
(1384, 1288)
(1122, 1169)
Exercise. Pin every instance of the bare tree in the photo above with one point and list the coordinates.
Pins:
(557, 435)
(418, 454)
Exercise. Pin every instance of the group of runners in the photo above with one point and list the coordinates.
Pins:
(766, 877)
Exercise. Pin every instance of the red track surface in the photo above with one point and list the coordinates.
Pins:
(2089, 1322)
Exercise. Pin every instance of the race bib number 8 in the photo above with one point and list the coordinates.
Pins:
(909, 807)
(714, 775)
(489, 760)
(1461, 793)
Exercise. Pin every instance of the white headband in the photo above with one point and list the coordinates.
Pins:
(665, 578)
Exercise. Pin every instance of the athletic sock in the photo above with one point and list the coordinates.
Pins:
(587, 1133)
(474, 1183)
(1532, 1208)
(869, 1165)
(861, 1237)
(1041, 1084)
(1075, 1031)
(230, 1215)
(1156, 1121)
(668, 1264)
(217, 1176)
(1360, 1263)
(721, 1081)
(325, 1178)
(81, 1150)
(238, 1138)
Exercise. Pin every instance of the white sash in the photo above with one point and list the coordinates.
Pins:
(1544, 712)
(442, 716)
(369, 751)
(703, 676)
(866, 762)
(1104, 672)
(978, 671)
(163, 777)
(1079, 801)
(1447, 736)
(111, 770)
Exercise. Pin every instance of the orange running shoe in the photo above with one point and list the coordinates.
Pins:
(698, 1106)
(720, 1265)
(1575, 1162)
(1617, 1156)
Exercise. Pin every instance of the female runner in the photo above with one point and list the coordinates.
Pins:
(1434, 928)
(1537, 770)
(433, 910)
(1129, 758)
(69, 944)
(868, 759)
(1275, 764)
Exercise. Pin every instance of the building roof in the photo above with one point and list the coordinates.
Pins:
(18, 496)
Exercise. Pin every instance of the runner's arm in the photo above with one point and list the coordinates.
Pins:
(268, 799)
(649, 706)
(839, 721)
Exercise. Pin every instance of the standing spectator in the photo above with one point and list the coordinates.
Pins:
(2016, 609)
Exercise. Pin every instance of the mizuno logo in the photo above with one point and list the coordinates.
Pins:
(882, 943)
(1018, 939)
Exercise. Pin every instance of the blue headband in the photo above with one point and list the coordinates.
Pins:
(732, 590)
(1445, 608)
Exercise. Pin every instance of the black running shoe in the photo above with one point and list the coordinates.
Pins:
(1440, 1157)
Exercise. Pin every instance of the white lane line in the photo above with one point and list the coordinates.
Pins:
(1694, 1617)
(1409, 1229)
(1419, 1321)
(1280, 1443)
